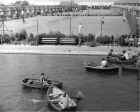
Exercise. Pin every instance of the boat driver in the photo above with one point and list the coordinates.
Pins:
(43, 80)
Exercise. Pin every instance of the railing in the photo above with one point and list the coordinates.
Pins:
(48, 40)
(67, 41)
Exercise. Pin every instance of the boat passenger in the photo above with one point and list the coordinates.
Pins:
(64, 102)
(43, 80)
(129, 53)
(124, 56)
(110, 53)
(138, 61)
(103, 62)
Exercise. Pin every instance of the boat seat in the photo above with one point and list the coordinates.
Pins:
(54, 95)
(30, 82)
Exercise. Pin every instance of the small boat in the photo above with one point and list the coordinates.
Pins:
(116, 60)
(92, 66)
(35, 83)
(54, 93)
(131, 67)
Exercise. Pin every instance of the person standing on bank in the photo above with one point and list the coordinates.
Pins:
(24, 20)
(80, 28)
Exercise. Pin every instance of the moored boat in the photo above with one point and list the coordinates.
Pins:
(35, 83)
(92, 66)
(130, 67)
(116, 60)
(55, 93)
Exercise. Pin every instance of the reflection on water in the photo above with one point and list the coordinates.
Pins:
(102, 91)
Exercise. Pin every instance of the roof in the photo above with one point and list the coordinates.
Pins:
(67, 3)
(19, 8)
(36, 7)
(128, 1)
(3, 8)
(12, 8)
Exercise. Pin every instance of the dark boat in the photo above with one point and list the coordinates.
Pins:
(54, 93)
(131, 67)
(92, 66)
(116, 60)
(35, 83)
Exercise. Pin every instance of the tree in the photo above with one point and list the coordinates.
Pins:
(22, 3)
(103, 40)
(2, 4)
(91, 37)
(25, 3)
(18, 3)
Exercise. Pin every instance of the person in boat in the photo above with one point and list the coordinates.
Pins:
(63, 100)
(104, 62)
(110, 53)
(124, 56)
(138, 61)
(129, 53)
(43, 79)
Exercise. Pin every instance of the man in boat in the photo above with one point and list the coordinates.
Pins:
(63, 100)
(43, 80)
(111, 53)
(124, 56)
(138, 61)
(113, 56)
(129, 53)
(104, 62)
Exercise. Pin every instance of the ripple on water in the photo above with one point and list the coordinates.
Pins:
(102, 91)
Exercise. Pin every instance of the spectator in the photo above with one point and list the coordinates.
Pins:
(131, 41)
(129, 53)
(138, 61)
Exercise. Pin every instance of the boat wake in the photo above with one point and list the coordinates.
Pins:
(36, 101)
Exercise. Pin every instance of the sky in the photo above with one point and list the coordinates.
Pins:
(41, 2)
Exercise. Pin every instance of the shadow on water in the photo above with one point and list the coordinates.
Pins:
(27, 90)
(102, 73)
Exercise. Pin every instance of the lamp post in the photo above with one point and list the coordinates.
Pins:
(70, 18)
(70, 25)
(37, 31)
(37, 27)
(102, 22)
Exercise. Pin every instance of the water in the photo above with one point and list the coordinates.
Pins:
(102, 91)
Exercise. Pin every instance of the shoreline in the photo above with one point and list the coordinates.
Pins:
(63, 50)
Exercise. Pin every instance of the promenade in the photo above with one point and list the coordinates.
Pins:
(63, 50)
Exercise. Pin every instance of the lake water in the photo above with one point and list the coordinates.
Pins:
(102, 91)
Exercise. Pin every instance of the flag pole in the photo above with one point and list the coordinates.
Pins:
(101, 27)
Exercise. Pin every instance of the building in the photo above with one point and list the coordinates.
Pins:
(128, 5)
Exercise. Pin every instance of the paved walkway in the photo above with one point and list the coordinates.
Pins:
(63, 50)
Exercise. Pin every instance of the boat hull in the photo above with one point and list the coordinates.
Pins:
(90, 66)
(131, 67)
(56, 106)
(114, 60)
(35, 83)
